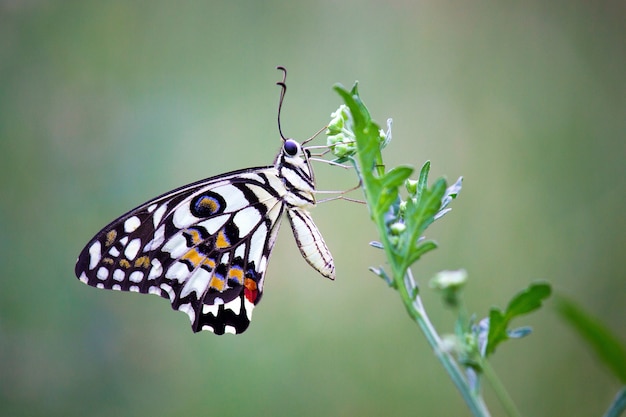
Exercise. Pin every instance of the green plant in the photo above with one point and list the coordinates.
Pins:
(402, 209)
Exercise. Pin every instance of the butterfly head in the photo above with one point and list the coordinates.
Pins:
(292, 154)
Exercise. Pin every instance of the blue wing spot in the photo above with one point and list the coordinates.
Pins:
(207, 204)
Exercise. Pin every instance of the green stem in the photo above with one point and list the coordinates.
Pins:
(416, 310)
(498, 388)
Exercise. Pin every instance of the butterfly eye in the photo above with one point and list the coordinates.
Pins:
(291, 147)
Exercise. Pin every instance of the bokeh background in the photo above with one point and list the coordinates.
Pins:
(104, 105)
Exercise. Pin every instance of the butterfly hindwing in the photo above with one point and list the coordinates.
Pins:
(204, 246)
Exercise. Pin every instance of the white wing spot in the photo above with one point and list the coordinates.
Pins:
(118, 275)
(156, 270)
(257, 244)
(212, 309)
(198, 283)
(133, 288)
(230, 329)
(215, 223)
(170, 292)
(235, 199)
(246, 220)
(157, 240)
(131, 224)
(240, 251)
(248, 306)
(114, 252)
(83, 278)
(251, 176)
(95, 254)
(183, 218)
(187, 308)
(265, 197)
(136, 276)
(102, 273)
(152, 207)
(158, 215)
(234, 305)
(132, 249)
(276, 183)
(100, 285)
(225, 258)
(177, 271)
(116, 287)
(177, 246)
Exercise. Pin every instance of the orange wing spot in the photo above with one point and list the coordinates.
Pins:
(210, 263)
(195, 236)
(124, 263)
(222, 241)
(110, 238)
(142, 262)
(209, 203)
(236, 273)
(250, 290)
(217, 283)
(194, 257)
(108, 261)
(249, 284)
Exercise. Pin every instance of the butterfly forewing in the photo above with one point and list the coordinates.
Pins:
(204, 247)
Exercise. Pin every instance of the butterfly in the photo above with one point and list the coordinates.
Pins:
(205, 246)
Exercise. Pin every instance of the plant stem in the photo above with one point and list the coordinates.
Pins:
(416, 310)
(499, 390)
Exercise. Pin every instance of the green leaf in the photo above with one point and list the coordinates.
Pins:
(432, 199)
(497, 330)
(396, 176)
(423, 178)
(358, 110)
(522, 303)
(421, 249)
(603, 341)
(528, 300)
(420, 213)
(357, 98)
(386, 197)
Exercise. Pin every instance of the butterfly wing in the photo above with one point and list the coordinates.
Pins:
(204, 246)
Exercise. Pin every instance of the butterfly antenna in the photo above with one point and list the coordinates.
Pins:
(283, 90)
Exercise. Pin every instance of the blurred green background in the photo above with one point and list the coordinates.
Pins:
(104, 105)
